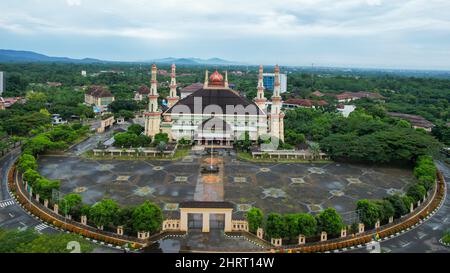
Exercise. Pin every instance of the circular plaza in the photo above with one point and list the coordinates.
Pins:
(272, 187)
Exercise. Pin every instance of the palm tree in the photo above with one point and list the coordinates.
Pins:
(314, 147)
(161, 147)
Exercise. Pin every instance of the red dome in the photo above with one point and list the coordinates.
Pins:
(216, 78)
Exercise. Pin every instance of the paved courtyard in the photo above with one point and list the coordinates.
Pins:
(282, 187)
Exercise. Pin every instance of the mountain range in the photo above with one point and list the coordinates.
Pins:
(14, 56)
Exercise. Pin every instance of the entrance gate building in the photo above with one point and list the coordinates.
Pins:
(214, 215)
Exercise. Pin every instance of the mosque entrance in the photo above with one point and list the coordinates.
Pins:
(195, 221)
(217, 221)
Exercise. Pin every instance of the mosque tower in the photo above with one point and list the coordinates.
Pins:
(276, 116)
(153, 115)
(173, 98)
(260, 100)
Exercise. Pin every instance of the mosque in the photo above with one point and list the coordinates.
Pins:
(215, 114)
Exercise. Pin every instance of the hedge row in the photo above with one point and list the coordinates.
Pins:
(65, 225)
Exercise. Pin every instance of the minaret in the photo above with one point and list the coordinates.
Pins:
(260, 100)
(173, 98)
(205, 85)
(226, 80)
(153, 116)
(276, 116)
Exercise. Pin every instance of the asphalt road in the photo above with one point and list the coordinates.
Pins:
(424, 238)
(12, 216)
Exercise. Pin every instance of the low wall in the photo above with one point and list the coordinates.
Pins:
(59, 221)
(406, 222)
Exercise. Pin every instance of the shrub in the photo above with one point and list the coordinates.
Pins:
(369, 212)
(329, 221)
(416, 192)
(400, 207)
(275, 226)
(255, 219)
(31, 176)
(147, 217)
(27, 162)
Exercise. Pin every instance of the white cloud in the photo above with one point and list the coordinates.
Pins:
(229, 23)
(72, 3)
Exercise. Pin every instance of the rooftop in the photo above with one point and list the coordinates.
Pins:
(207, 204)
(415, 120)
(99, 92)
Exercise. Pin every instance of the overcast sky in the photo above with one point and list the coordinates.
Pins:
(364, 33)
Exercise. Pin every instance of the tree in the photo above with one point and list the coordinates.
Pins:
(307, 224)
(38, 98)
(147, 217)
(11, 240)
(294, 138)
(369, 212)
(27, 162)
(399, 206)
(184, 141)
(54, 243)
(244, 143)
(315, 149)
(275, 226)
(125, 218)
(442, 132)
(104, 212)
(127, 115)
(31, 176)
(161, 146)
(255, 219)
(160, 137)
(417, 192)
(135, 129)
(125, 140)
(45, 187)
(128, 105)
(329, 221)
(403, 124)
(71, 204)
(386, 210)
(291, 225)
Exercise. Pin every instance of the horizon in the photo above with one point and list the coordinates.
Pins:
(367, 34)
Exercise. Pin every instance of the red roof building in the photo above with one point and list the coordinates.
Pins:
(306, 103)
(141, 93)
(317, 94)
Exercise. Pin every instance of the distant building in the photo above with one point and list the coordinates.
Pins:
(54, 84)
(99, 97)
(351, 96)
(141, 93)
(317, 94)
(2, 104)
(2, 83)
(162, 72)
(416, 121)
(304, 103)
(83, 73)
(57, 120)
(8, 102)
(190, 89)
(346, 110)
(269, 81)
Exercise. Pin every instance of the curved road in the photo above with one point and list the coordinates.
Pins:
(424, 238)
(12, 216)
